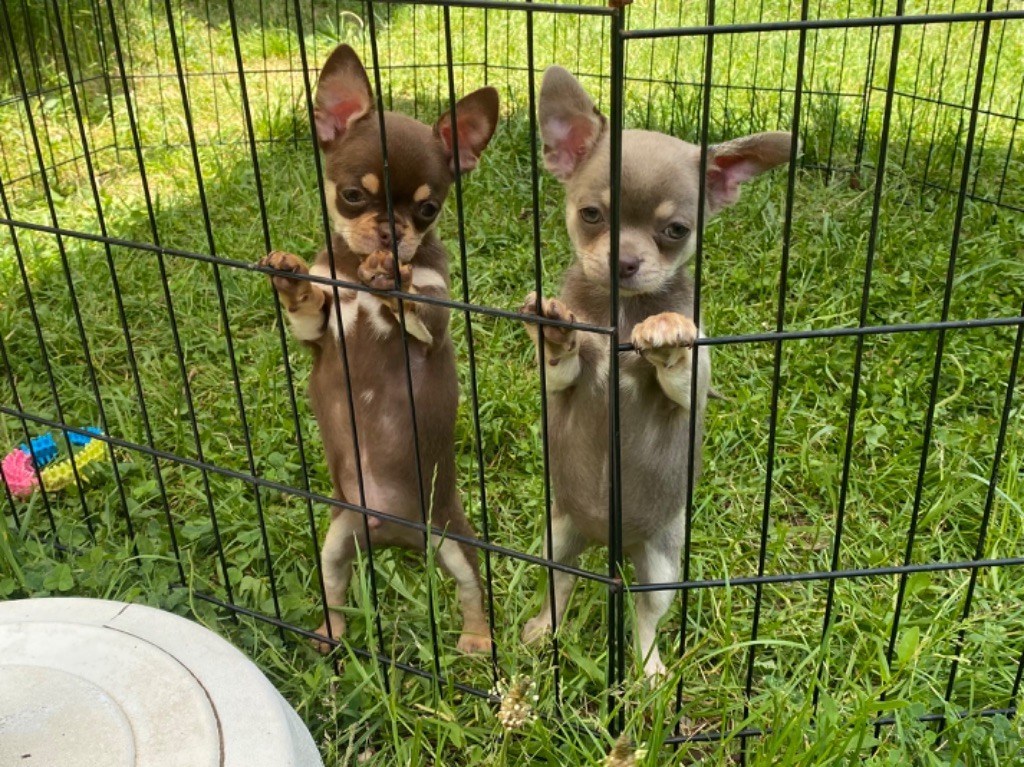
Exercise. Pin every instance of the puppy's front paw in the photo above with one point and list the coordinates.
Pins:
(295, 295)
(665, 339)
(558, 341)
(377, 271)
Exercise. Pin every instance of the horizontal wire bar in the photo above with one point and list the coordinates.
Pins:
(441, 679)
(868, 330)
(794, 26)
(884, 721)
(514, 5)
(513, 315)
(826, 575)
(326, 281)
(943, 103)
(701, 737)
(9, 182)
(283, 488)
(18, 98)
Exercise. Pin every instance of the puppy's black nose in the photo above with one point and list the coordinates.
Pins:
(628, 266)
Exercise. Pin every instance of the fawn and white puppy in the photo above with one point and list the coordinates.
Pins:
(422, 164)
(659, 199)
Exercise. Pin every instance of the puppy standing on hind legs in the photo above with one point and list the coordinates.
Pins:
(422, 164)
(660, 188)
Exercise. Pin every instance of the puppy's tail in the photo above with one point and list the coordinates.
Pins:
(715, 394)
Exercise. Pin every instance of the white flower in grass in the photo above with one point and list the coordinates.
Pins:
(624, 753)
(517, 702)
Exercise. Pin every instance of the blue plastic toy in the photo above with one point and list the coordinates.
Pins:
(44, 449)
(79, 440)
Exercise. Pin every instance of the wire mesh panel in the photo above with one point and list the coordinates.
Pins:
(852, 542)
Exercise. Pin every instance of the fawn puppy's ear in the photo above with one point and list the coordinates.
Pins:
(343, 95)
(570, 124)
(476, 117)
(739, 160)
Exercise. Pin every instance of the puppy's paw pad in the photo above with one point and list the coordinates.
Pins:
(537, 629)
(552, 309)
(667, 329)
(377, 271)
(292, 291)
(474, 643)
(663, 338)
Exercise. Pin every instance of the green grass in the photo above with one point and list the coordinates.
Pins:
(347, 707)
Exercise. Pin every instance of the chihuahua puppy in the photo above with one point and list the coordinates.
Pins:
(659, 199)
(422, 163)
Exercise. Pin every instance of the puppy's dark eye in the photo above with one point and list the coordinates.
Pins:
(590, 214)
(353, 196)
(429, 209)
(675, 231)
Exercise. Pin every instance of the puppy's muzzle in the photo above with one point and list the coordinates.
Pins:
(628, 266)
(384, 233)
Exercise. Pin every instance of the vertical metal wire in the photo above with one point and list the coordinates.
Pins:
(171, 315)
(988, 109)
(916, 88)
(616, 596)
(424, 503)
(1010, 144)
(705, 122)
(773, 416)
(997, 458)
(940, 94)
(213, 79)
(960, 112)
(869, 85)
(225, 321)
(470, 347)
(940, 345)
(830, 163)
(851, 423)
(538, 279)
(289, 378)
(44, 180)
(101, 41)
(27, 434)
(143, 409)
(342, 343)
(158, 83)
(101, 220)
(33, 47)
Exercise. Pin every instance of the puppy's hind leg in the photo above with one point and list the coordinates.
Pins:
(655, 562)
(462, 563)
(336, 557)
(567, 543)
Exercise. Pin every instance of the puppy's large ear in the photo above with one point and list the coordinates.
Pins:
(343, 95)
(570, 124)
(476, 117)
(739, 160)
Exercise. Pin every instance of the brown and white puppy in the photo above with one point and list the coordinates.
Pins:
(422, 164)
(659, 199)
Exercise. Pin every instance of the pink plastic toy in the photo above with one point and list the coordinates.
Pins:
(19, 473)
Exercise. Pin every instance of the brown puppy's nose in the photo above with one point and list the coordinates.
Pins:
(384, 232)
(628, 266)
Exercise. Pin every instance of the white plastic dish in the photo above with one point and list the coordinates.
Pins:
(92, 683)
